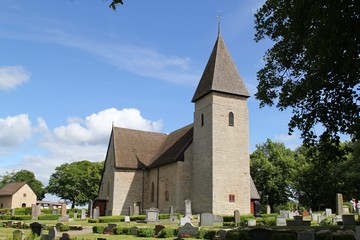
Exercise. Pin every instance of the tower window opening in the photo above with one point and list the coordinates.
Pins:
(231, 119)
(202, 119)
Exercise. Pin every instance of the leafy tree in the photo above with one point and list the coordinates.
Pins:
(321, 175)
(25, 176)
(313, 66)
(77, 182)
(272, 167)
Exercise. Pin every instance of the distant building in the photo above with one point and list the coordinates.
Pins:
(206, 162)
(17, 195)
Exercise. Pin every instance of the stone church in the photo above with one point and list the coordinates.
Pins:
(206, 162)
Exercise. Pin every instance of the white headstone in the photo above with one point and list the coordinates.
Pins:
(188, 212)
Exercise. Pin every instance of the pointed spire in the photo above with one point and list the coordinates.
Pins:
(220, 74)
(219, 17)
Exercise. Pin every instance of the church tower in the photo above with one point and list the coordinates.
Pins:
(221, 163)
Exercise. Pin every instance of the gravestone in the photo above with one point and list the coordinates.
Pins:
(184, 220)
(328, 211)
(18, 235)
(75, 215)
(63, 209)
(12, 212)
(54, 211)
(268, 209)
(36, 228)
(172, 218)
(206, 219)
(218, 219)
(152, 215)
(306, 235)
(257, 209)
(315, 216)
(58, 226)
(137, 208)
(8, 224)
(131, 210)
(280, 221)
(337, 219)
(188, 230)
(96, 213)
(19, 225)
(65, 236)
(339, 203)
(348, 219)
(158, 228)
(320, 218)
(34, 212)
(188, 212)
(237, 217)
(284, 213)
(127, 219)
(53, 232)
(251, 222)
(90, 209)
(133, 230)
(345, 210)
(83, 214)
(63, 219)
(109, 229)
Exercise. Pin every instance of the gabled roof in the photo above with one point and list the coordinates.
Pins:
(135, 149)
(254, 194)
(220, 74)
(11, 188)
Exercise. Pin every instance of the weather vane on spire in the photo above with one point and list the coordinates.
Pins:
(219, 17)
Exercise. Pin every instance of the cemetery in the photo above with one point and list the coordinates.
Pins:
(37, 223)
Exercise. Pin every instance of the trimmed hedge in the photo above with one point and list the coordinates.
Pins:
(145, 232)
(121, 231)
(166, 233)
(64, 228)
(109, 219)
(206, 234)
(49, 216)
(98, 229)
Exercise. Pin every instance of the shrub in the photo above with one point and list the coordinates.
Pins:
(145, 232)
(109, 219)
(93, 220)
(269, 221)
(228, 224)
(326, 222)
(49, 216)
(244, 219)
(137, 217)
(98, 229)
(206, 234)
(23, 211)
(166, 233)
(121, 231)
(229, 218)
(64, 228)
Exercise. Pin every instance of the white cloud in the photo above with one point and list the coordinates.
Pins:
(80, 139)
(14, 130)
(95, 129)
(285, 137)
(12, 77)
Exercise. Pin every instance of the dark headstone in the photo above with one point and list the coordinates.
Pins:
(257, 209)
(36, 228)
(65, 236)
(158, 228)
(18, 235)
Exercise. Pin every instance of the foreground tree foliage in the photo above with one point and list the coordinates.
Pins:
(321, 175)
(77, 182)
(314, 65)
(272, 167)
(25, 176)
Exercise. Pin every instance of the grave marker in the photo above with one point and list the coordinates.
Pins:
(188, 212)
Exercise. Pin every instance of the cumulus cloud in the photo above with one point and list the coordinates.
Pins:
(95, 129)
(80, 139)
(12, 77)
(14, 130)
(285, 137)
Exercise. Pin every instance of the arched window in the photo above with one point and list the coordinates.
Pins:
(167, 190)
(152, 192)
(202, 119)
(23, 205)
(231, 119)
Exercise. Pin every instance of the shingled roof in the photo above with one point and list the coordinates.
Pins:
(220, 74)
(11, 188)
(135, 149)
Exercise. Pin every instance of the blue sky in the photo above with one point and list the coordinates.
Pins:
(69, 68)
